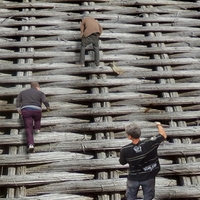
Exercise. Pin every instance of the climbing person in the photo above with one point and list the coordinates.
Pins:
(29, 105)
(90, 32)
(142, 157)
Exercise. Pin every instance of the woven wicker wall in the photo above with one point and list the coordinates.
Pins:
(149, 51)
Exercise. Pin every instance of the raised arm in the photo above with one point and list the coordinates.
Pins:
(161, 129)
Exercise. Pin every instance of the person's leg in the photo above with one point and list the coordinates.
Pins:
(132, 189)
(28, 123)
(84, 43)
(95, 42)
(148, 188)
(37, 115)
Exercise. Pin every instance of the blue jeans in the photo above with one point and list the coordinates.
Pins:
(148, 188)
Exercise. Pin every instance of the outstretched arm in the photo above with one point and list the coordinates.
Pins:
(161, 129)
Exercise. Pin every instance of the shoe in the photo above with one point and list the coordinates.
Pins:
(31, 148)
(37, 131)
(99, 66)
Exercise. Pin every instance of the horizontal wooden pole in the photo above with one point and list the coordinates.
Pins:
(137, 86)
(183, 169)
(115, 185)
(39, 158)
(61, 150)
(51, 137)
(42, 178)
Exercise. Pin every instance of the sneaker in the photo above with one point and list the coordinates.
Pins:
(31, 148)
(99, 66)
(37, 131)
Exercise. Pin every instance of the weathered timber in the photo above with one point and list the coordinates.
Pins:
(33, 66)
(137, 87)
(151, 116)
(128, 72)
(177, 192)
(54, 197)
(74, 45)
(75, 98)
(42, 178)
(129, 19)
(79, 165)
(63, 80)
(118, 48)
(71, 35)
(164, 150)
(50, 121)
(63, 123)
(61, 7)
(40, 79)
(113, 163)
(121, 114)
(51, 137)
(52, 4)
(181, 169)
(183, 61)
(156, 3)
(39, 158)
(167, 149)
(115, 185)
(43, 54)
(112, 126)
(48, 91)
(153, 42)
(42, 138)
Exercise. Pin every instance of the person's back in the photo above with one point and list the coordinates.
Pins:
(142, 157)
(32, 97)
(89, 26)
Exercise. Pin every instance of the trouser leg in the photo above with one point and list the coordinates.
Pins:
(96, 49)
(148, 188)
(37, 114)
(28, 123)
(132, 189)
(84, 43)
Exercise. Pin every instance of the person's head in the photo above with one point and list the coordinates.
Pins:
(35, 84)
(85, 15)
(133, 131)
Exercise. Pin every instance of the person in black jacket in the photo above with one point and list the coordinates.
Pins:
(29, 105)
(142, 157)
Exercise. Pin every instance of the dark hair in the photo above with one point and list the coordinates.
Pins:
(34, 84)
(133, 130)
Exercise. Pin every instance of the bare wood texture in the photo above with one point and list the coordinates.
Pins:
(40, 158)
(38, 179)
(154, 44)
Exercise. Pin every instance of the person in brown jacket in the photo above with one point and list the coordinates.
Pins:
(90, 32)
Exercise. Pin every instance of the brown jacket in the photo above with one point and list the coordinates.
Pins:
(89, 25)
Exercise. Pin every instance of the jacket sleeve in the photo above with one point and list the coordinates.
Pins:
(100, 29)
(122, 158)
(82, 28)
(18, 101)
(44, 100)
